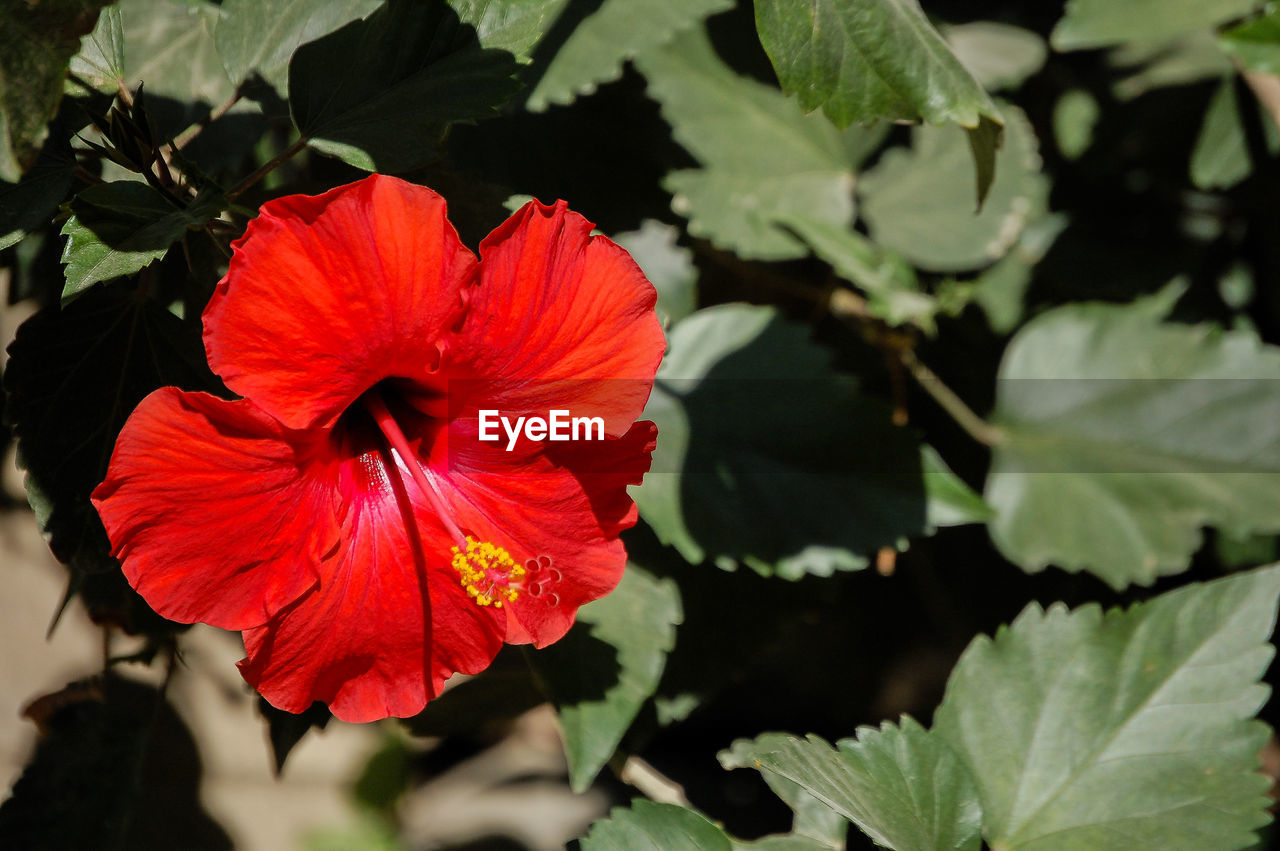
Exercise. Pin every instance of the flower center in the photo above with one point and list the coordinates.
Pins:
(488, 572)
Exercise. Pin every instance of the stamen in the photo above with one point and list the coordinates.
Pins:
(488, 572)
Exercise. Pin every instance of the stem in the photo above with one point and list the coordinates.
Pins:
(222, 249)
(267, 168)
(974, 425)
(125, 95)
(196, 129)
(391, 431)
(851, 308)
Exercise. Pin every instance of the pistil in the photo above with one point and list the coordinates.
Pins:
(391, 431)
(487, 571)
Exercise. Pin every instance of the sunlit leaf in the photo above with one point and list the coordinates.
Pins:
(813, 819)
(1097, 23)
(918, 202)
(902, 785)
(169, 50)
(761, 158)
(667, 266)
(260, 36)
(1074, 116)
(893, 292)
(512, 25)
(864, 60)
(1124, 434)
(1221, 155)
(100, 61)
(650, 825)
(616, 31)
(998, 55)
(1129, 729)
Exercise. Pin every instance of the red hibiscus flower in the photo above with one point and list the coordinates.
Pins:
(344, 513)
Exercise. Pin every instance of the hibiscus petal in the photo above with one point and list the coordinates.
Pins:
(216, 509)
(561, 320)
(328, 295)
(567, 505)
(369, 642)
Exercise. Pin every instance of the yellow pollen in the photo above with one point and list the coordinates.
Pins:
(487, 571)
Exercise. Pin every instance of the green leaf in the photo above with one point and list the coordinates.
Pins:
(37, 41)
(1220, 158)
(1256, 43)
(29, 204)
(1074, 116)
(1002, 287)
(74, 375)
(100, 61)
(761, 157)
(813, 820)
(893, 292)
(601, 676)
(903, 786)
(380, 93)
(1128, 729)
(667, 266)
(1098, 23)
(769, 457)
(368, 831)
(615, 32)
(650, 825)
(951, 501)
(169, 49)
(1235, 551)
(512, 25)
(919, 204)
(1123, 434)
(260, 36)
(1145, 66)
(120, 228)
(864, 60)
(998, 55)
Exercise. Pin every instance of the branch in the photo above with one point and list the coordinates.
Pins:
(181, 140)
(974, 425)
(267, 168)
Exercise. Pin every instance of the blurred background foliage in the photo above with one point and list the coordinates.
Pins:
(876, 233)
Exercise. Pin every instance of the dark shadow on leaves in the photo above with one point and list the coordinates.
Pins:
(753, 485)
(286, 729)
(116, 768)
